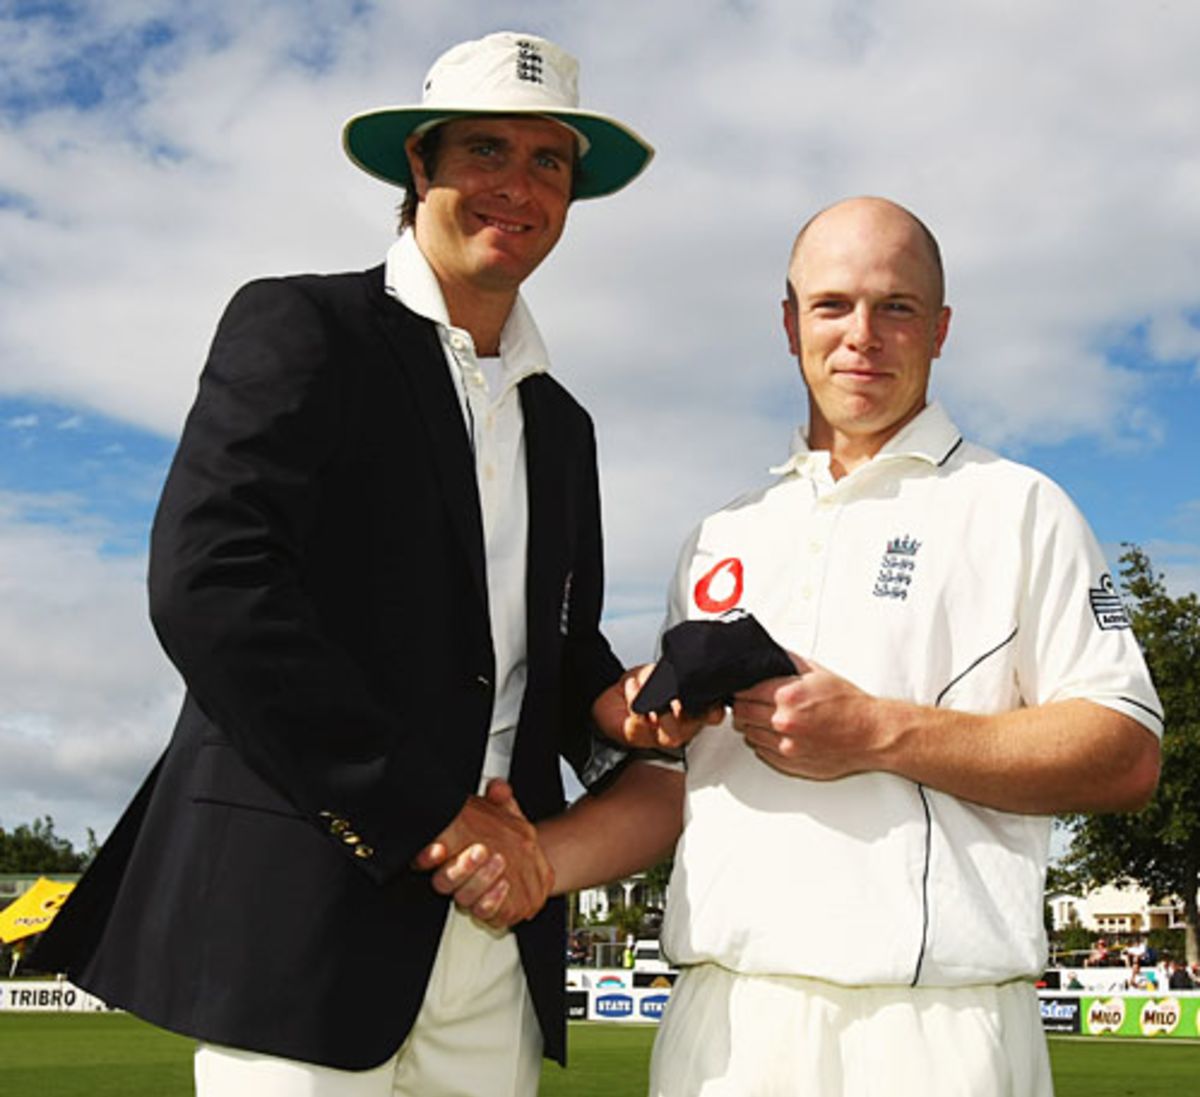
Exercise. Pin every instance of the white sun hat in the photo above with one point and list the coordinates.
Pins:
(503, 73)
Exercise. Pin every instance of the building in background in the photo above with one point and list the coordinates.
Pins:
(1114, 910)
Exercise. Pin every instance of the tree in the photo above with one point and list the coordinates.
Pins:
(628, 920)
(36, 848)
(659, 876)
(1157, 848)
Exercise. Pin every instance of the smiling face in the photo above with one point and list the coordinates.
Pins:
(866, 322)
(496, 202)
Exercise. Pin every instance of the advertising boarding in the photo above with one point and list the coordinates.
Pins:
(1144, 1016)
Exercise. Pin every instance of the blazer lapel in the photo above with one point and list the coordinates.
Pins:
(418, 352)
(546, 474)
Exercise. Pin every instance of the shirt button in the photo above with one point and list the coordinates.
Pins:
(458, 342)
(815, 547)
(806, 592)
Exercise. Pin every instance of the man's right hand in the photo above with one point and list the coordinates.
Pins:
(490, 861)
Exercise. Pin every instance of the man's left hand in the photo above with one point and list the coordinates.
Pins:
(614, 715)
(813, 724)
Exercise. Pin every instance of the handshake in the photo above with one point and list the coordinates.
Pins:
(501, 868)
(490, 860)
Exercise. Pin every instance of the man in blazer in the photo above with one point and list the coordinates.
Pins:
(377, 565)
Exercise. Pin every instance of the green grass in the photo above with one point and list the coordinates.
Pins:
(96, 1054)
(1093, 1066)
(103, 1055)
(608, 1059)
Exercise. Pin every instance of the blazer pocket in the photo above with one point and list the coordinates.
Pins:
(221, 777)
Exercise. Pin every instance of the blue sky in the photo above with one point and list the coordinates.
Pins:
(69, 465)
(154, 155)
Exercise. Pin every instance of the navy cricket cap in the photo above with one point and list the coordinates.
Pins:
(706, 662)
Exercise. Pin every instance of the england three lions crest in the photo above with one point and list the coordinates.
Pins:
(897, 568)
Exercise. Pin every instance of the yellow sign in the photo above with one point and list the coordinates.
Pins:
(34, 911)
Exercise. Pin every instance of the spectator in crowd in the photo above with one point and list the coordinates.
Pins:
(1178, 977)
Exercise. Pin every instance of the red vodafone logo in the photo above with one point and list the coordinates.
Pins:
(721, 587)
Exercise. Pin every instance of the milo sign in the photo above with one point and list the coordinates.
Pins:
(1140, 1015)
(1160, 1017)
(1106, 1015)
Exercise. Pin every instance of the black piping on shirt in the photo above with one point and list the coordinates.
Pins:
(1145, 708)
(925, 803)
(952, 451)
(924, 884)
(985, 656)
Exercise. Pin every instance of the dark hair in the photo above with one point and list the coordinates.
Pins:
(428, 148)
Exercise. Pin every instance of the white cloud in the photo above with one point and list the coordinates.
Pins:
(1065, 198)
(88, 700)
(1174, 336)
(1182, 577)
(1178, 562)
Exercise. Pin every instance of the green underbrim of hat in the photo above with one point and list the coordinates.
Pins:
(616, 155)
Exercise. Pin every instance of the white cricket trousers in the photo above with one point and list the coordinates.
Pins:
(476, 1035)
(730, 1035)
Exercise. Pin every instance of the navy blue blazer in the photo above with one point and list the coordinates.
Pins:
(317, 576)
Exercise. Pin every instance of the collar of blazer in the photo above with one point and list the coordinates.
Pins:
(418, 351)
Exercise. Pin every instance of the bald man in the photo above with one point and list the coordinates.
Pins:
(856, 903)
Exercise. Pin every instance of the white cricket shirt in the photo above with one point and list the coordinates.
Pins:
(487, 391)
(937, 573)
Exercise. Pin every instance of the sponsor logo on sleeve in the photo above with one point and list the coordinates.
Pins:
(1107, 605)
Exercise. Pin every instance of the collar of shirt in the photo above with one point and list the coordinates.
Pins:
(487, 392)
(930, 437)
(409, 278)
